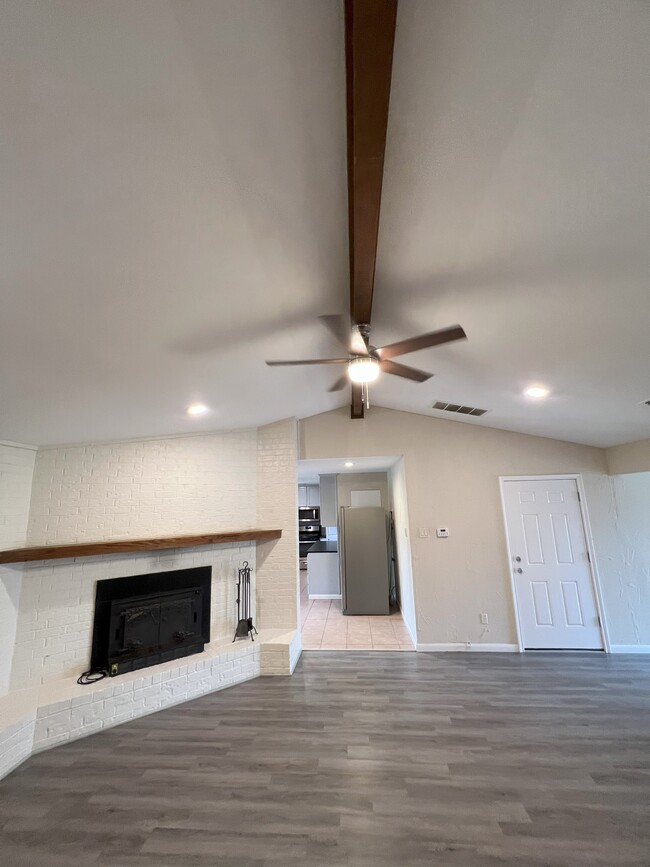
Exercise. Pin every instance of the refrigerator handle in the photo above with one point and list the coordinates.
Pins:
(341, 544)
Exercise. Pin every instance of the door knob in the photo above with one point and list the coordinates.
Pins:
(520, 570)
(518, 559)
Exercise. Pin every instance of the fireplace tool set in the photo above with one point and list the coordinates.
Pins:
(244, 610)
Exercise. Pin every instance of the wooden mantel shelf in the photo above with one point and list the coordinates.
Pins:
(123, 546)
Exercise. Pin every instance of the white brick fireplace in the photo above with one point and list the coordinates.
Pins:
(173, 486)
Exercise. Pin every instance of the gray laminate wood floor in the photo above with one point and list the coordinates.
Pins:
(366, 759)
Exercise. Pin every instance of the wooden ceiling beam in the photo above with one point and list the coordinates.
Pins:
(356, 406)
(369, 39)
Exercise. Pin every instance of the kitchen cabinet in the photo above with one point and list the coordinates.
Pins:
(308, 495)
(323, 571)
(328, 504)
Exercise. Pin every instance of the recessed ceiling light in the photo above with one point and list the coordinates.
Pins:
(197, 409)
(349, 464)
(537, 392)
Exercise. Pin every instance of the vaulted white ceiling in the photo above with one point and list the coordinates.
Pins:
(174, 212)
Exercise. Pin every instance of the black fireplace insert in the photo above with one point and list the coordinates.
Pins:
(144, 620)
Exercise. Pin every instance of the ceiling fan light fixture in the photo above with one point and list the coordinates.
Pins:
(363, 370)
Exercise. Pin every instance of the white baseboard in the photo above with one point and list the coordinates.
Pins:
(467, 647)
(629, 648)
(324, 595)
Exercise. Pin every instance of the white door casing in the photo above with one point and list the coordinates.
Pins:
(553, 584)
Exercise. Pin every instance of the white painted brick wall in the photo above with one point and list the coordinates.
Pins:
(54, 630)
(152, 487)
(16, 743)
(277, 506)
(128, 697)
(40, 718)
(156, 487)
(16, 472)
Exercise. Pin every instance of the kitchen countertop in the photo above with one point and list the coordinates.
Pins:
(324, 547)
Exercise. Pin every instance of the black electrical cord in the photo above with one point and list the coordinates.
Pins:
(91, 676)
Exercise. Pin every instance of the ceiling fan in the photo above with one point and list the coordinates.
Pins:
(365, 362)
(369, 39)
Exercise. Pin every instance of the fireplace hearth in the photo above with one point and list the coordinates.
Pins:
(144, 620)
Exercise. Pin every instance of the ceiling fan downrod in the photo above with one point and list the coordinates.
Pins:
(364, 330)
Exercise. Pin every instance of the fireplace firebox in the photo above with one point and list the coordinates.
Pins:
(144, 620)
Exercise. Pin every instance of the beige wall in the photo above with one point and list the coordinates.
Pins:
(348, 482)
(629, 458)
(452, 479)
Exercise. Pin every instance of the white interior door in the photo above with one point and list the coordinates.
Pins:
(554, 588)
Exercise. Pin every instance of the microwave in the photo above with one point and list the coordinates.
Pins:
(308, 515)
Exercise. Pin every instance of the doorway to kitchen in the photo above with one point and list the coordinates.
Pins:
(355, 577)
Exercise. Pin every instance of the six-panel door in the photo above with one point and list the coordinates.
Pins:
(552, 575)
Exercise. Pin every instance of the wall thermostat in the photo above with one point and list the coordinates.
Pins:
(442, 532)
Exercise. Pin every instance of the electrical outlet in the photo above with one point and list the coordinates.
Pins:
(423, 532)
(484, 619)
(442, 533)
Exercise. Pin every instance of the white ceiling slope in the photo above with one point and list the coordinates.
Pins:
(173, 176)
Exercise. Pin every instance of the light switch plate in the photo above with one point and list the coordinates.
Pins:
(442, 532)
(423, 532)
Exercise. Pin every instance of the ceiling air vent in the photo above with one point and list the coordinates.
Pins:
(456, 407)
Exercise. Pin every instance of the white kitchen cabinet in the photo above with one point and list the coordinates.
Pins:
(308, 495)
(328, 506)
(323, 572)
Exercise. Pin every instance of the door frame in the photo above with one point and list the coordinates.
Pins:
(586, 526)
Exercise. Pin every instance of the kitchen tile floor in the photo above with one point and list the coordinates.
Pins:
(325, 627)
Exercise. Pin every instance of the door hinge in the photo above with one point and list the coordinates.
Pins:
(588, 557)
(579, 497)
(598, 619)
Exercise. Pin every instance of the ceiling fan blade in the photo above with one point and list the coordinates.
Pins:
(424, 341)
(308, 361)
(340, 383)
(404, 371)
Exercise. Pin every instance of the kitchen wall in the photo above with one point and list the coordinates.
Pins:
(451, 477)
(16, 473)
(348, 482)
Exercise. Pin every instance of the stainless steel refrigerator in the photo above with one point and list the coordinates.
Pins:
(365, 557)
